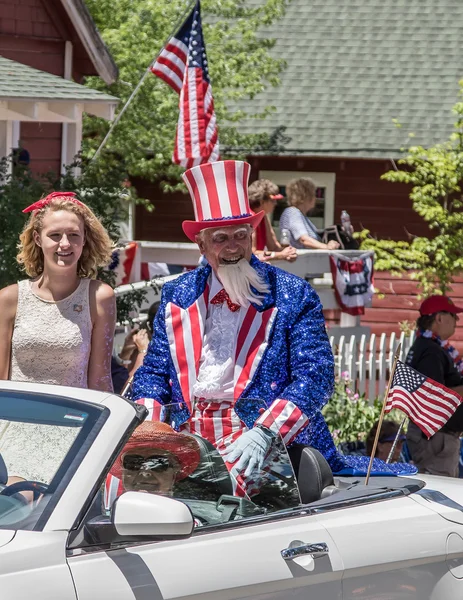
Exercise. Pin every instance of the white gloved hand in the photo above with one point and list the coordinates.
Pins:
(251, 448)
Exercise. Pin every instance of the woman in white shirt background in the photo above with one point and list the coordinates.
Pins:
(300, 194)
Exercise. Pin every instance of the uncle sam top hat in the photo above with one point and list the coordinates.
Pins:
(219, 191)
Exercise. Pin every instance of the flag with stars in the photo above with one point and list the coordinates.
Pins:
(427, 403)
(182, 64)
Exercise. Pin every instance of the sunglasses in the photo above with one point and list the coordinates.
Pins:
(155, 463)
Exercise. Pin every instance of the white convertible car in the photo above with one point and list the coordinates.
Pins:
(315, 538)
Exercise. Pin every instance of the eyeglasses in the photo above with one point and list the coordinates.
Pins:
(155, 463)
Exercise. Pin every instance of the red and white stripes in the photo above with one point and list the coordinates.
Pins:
(185, 332)
(283, 417)
(171, 64)
(219, 189)
(253, 336)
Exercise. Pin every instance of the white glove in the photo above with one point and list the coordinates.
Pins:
(251, 448)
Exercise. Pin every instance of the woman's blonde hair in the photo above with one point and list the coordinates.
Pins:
(97, 246)
(298, 190)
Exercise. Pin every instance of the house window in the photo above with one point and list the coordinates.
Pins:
(323, 214)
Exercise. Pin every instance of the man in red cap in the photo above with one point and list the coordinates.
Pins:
(433, 356)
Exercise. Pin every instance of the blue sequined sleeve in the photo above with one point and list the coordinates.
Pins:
(310, 355)
(152, 379)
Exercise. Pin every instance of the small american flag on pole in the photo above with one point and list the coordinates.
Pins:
(427, 403)
(182, 64)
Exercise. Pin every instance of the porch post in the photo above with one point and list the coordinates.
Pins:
(6, 141)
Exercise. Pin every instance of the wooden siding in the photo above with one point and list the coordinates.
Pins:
(34, 33)
(164, 224)
(43, 141)
(382, 207)
(400, 303)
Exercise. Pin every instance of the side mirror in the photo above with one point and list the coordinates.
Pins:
(139, 514)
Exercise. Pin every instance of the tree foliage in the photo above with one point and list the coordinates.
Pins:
(435, 175)
(240, 67)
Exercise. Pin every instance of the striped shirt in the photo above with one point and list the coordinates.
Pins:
(298, 225)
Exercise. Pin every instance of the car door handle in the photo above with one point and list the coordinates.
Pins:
(315, 551)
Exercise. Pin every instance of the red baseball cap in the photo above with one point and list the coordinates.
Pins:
(435, 304)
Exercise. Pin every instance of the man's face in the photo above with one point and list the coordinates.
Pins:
(149, 470)
(445, 324)
(225, 245)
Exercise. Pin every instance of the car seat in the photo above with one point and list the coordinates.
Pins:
(313, 474)
(211, 478)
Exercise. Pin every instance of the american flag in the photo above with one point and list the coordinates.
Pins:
(182, 64)
(427, 403)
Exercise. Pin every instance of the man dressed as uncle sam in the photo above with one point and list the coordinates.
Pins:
(238, 329)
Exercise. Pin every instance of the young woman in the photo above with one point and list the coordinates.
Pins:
(59, 324)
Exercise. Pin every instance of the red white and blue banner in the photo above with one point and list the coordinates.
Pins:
(353, 282)
(183, 65)
(125, 263)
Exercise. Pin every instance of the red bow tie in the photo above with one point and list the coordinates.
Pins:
(221, 297)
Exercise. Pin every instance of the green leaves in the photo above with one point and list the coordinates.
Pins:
(435, 176)
(349, 416)
(240, 67)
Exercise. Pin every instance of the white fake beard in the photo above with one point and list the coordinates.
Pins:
(237, 281)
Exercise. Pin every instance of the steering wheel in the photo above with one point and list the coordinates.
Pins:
(36, 487)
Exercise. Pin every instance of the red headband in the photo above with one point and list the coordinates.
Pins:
(70, 196)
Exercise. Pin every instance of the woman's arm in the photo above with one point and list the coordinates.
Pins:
(296, 222)
(8, 304)
(141, 340)
(103, 311)
(272, 243)
(310, 242)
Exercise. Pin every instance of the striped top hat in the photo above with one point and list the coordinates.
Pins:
(219, 191)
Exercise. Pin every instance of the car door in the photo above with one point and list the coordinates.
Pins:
(242, 561)
(394, 550)
(243, 525)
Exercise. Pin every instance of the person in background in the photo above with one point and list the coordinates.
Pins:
(263, 196)
(57, 327)
(433, 356)
(135, 347)
(302, 232)
(386, 439)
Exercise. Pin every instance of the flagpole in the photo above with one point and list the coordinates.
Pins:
(140, 83)
(394, 445)
(381, 417)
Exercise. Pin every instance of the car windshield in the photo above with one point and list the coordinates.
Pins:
(220, 470)
(41, 441)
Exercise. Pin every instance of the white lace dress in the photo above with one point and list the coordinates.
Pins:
(52, 340)
(51, 344)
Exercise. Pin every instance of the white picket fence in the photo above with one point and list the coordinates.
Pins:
(368, 359)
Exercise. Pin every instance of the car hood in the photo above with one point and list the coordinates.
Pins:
(443, 495)
(6, 535)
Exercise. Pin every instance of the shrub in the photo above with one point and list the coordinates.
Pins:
(350, 416)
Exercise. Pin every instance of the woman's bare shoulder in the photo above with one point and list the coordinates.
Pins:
(9, 300)
(101, 290)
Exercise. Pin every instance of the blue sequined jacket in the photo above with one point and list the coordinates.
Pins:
(293, 362)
